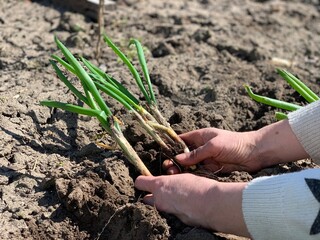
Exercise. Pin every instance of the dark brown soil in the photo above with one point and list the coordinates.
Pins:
(55, 183)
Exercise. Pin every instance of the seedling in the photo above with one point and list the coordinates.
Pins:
(296, 84)
(94, 80)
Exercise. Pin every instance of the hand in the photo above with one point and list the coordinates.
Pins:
(218, 150)
(197, 201)
(247, 151)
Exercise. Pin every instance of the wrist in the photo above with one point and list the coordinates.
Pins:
(276, 143)
(266, 150)
(225, 214)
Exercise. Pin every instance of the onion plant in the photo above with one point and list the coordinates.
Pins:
(94, 81)
(151, 118)
(296, 84)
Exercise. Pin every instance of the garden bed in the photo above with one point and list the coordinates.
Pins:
(56, 183)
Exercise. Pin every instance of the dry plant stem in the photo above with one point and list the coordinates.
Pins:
(158, 116)
(165, 126)
(149, 118)
(101, 27)
(106, 146)
(151, 124)
(150, 130)
(146, 115)
(171, 133)
(129, 152)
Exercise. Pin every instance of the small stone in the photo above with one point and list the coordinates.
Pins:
(4, 180)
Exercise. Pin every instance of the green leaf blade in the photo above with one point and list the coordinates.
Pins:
(280, 116)
(100, 115)
(73, 108)
(117, 95)
(123, 89)
(298, 85)
(271, 102)
(132, 69)
(104, 79)
(68, 83)
(143, 64)
(88, 84)
(64, 63)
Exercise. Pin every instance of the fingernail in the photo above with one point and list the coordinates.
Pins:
(148, 199)
(179, 156)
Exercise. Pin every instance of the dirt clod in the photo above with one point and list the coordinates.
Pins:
(56, 183)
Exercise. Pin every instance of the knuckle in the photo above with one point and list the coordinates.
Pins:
(158, 183)
(194, 154)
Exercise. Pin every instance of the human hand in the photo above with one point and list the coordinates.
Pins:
(197, 201)
(228, 151)
(217, 150)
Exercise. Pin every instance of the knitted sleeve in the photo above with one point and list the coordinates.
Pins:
(305, 123)
(288, 206)
(283, 206)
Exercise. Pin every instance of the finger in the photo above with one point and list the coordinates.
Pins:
(228, 168)
(193, 137)
(167, 164)
(149, 199)
(195, 156)
(216, 167)
(145, 183)
(170, 167)
(173, 170)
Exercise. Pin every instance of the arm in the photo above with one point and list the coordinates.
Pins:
(283, 206)
(280, 142)
(278, 207)
(277, 143)
(293, 139)
(228, 151)
(197, 201)
(305, 124)
(203, 202)
(287, 205)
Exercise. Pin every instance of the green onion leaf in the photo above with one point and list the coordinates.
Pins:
(64, 63)
(280, 116)
(298, 85)
(68, 84)
(143, 64)
(122, 89)
(104, 78)
(132, 69)
(74, 108)
(100, 115)
(88, 84)
(271, 102)
(117, 95)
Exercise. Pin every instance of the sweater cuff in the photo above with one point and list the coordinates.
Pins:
(305, 123)
(281, 206)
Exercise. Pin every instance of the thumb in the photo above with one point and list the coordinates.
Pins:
(145, 183)
(148, 199)
(195, 156)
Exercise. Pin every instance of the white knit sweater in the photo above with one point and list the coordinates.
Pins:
(287, 206)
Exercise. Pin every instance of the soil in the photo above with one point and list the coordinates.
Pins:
(56, 183)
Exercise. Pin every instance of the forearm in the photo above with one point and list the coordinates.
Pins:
(225, 214)
(305, 124)
(277, 143)
(283, 206)
(197, 201)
